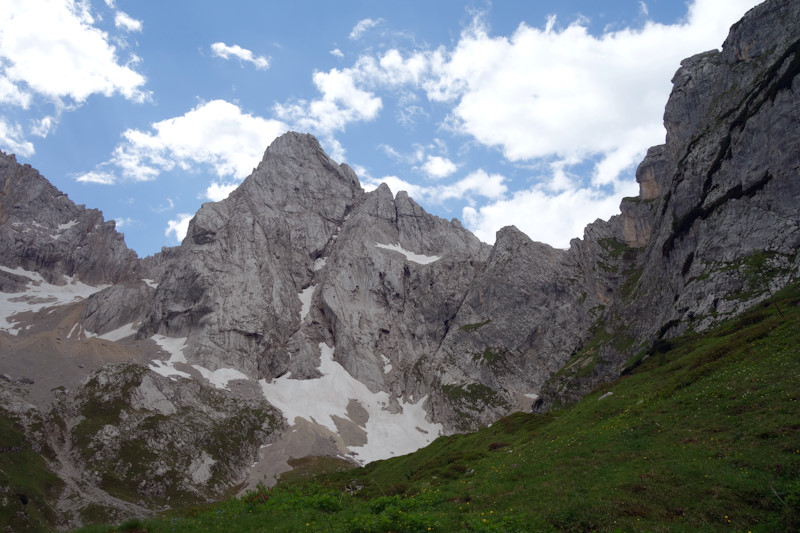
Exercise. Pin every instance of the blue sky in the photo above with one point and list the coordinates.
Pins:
(532, 113)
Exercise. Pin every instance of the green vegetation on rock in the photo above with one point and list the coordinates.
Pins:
(27, 485)
(472, 327)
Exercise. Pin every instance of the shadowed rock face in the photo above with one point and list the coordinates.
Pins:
(412, 306)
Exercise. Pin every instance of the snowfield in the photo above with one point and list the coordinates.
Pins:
(317, 400)
(39, 295)
(411, 256)
(174, 346)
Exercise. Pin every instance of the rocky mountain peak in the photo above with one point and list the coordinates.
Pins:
(297, 161)
(43, 231)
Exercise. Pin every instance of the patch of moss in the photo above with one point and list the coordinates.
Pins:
(27, 484)
(618, 250)
(472, 327)
(631, 284)
(490, 356)
(473, 396)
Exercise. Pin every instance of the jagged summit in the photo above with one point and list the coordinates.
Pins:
(43, 231)
(296, 160)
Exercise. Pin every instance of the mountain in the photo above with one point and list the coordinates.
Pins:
(303, 316)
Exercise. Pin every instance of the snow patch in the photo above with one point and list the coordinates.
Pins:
(70, 224)
(532, 396)
(411, 256)
(318, 400)
(174, 346)
(71, 331)
(39, 295)
(220, 377)
(305, 300)
(62, 228)
(319, 263)
(118, 334)
(150, 283)
(387, 365)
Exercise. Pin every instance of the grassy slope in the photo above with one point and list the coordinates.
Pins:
(27, 486)
(705, 436)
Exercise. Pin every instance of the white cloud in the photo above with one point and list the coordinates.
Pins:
(227, 51)
(51, 47)
(215, 133)
(126, 22)
(439, 167)
(217, 191)
(13, 95)
(362, 26)
(122, 222)
(179, 226)
(337, 53)
(97, 176)
(543, 93)
(341, 103)
(566, 92)
(544, 217)
(643, 8)
(43, 126)
(12, 139)
(491, 186)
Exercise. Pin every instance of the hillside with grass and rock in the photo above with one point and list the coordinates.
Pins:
(305, 325)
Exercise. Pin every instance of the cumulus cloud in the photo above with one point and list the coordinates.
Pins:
(439, 167)
(337, 53)
(217, 191)
(51, 50)
(179, 226)
(217, 134)
(341, 102)
(566, 92)
(556, 90)
(13, 95)
(122, 222)
(12, 139)
(227, 51)
(362, 26)
(51, 47)
(97, 176)
(43, 126)
(126, 22)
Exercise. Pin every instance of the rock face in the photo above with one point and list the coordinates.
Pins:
(42, 230)
(232, 289)
(369, 326)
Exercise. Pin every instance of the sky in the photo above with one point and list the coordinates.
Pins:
(533, 113)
